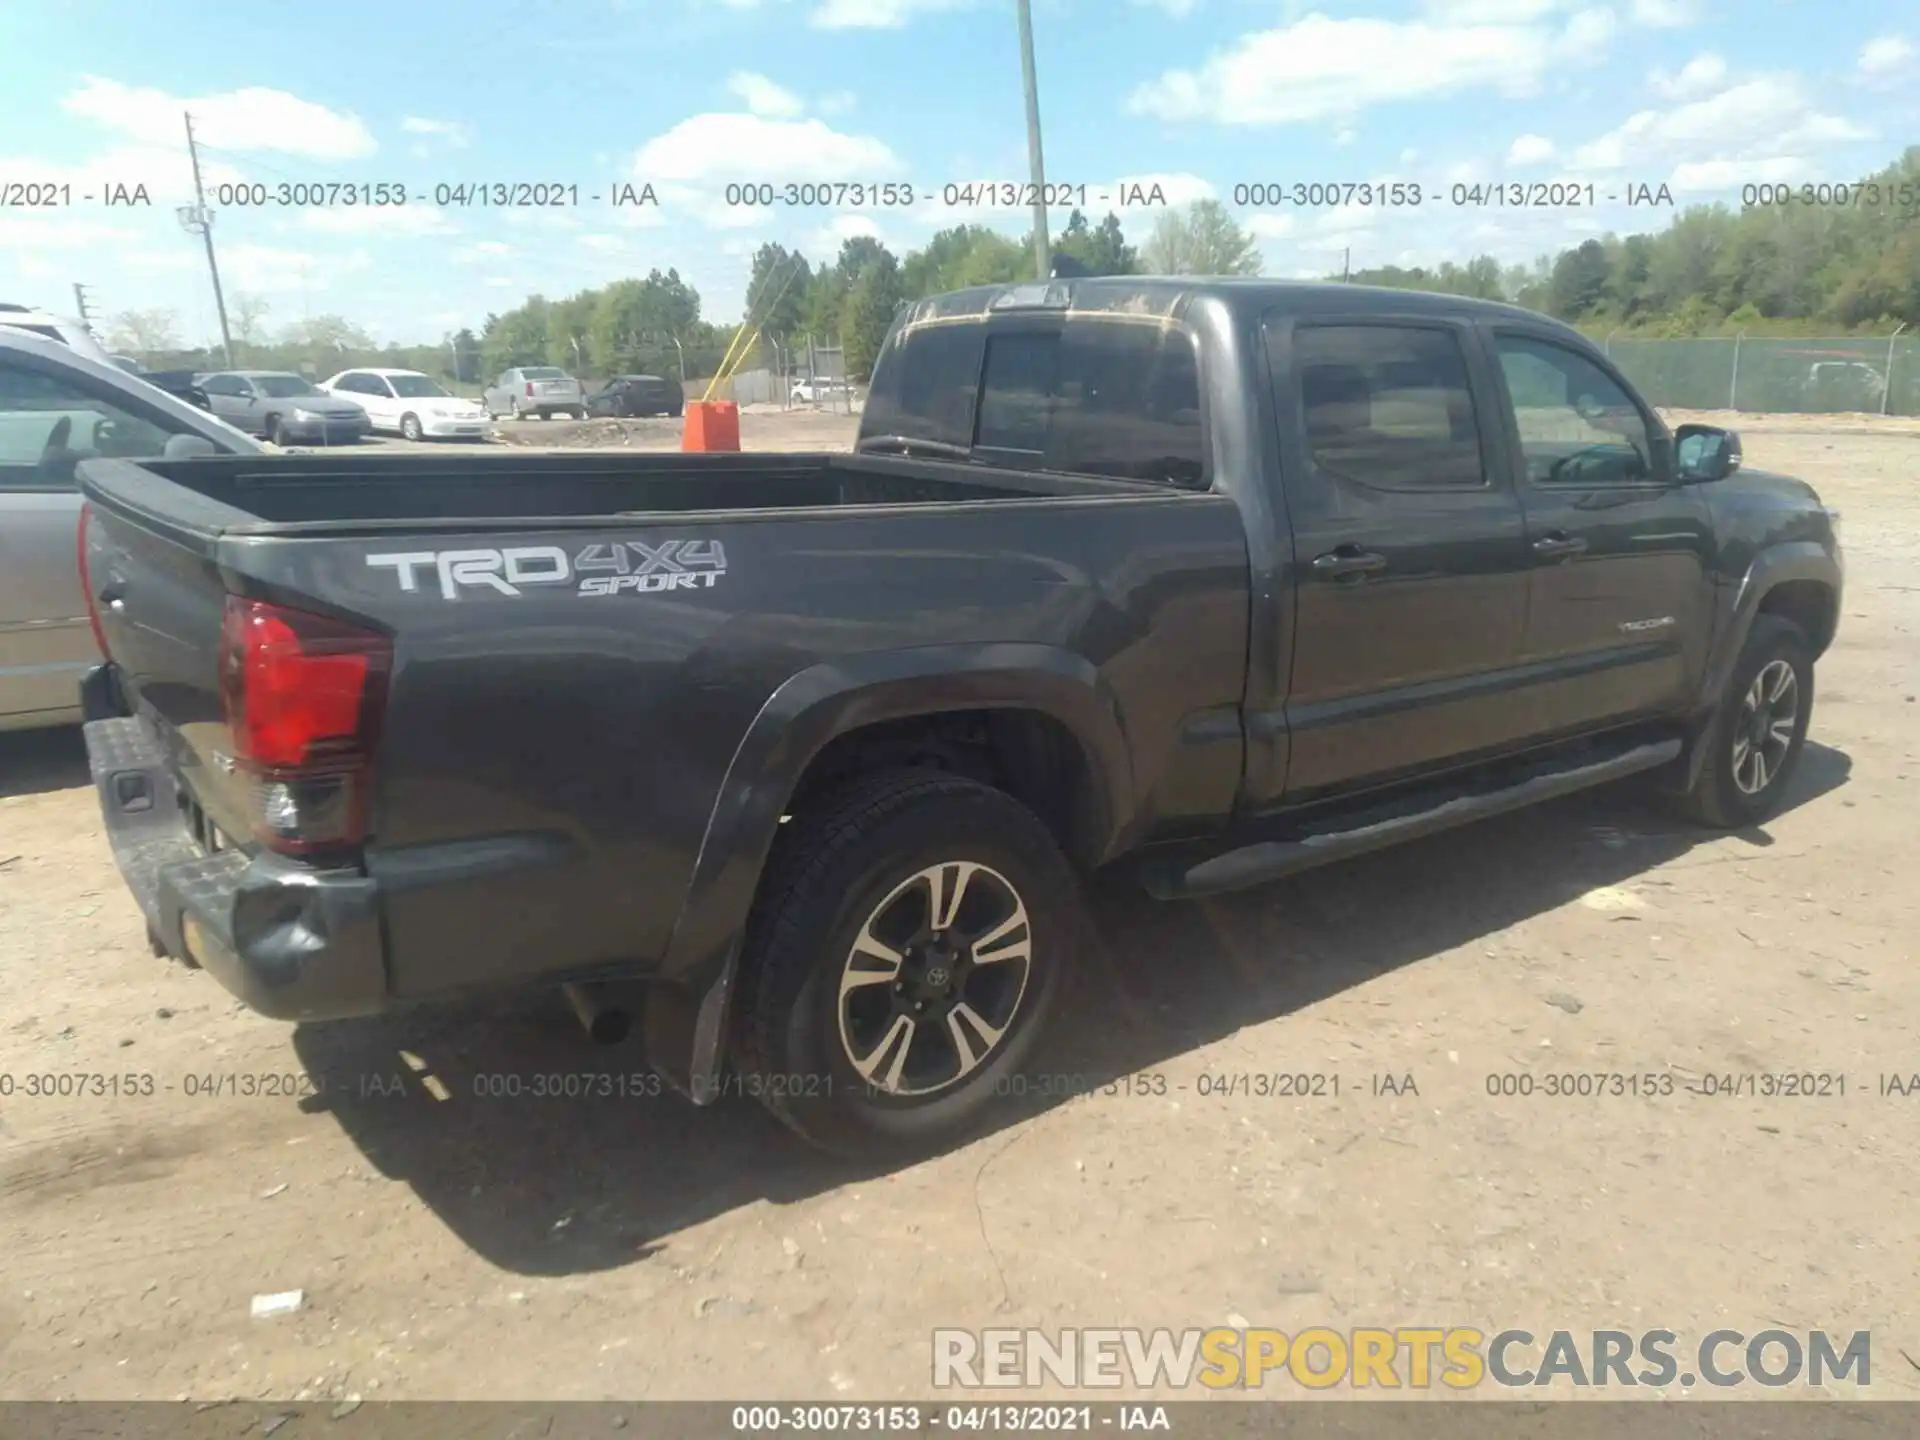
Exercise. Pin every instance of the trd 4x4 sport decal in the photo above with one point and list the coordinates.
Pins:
(607, 567)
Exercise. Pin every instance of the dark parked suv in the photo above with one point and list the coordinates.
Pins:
(804, 755)
(637, 395)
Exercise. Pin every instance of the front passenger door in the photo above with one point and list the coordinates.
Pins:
(1619, 610)
(1410, 552)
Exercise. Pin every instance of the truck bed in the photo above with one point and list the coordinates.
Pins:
(607, 672)
(305, 492)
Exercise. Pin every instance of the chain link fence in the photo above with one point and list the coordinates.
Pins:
(1803, 377)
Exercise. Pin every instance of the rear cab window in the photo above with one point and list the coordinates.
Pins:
(1101, 394)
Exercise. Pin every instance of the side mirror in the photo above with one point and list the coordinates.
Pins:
(1704, 453)
(198, 398)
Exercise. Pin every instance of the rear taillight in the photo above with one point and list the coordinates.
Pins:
(304, 696)
(529, 387)
(86, 584)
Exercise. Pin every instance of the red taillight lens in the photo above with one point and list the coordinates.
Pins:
(304, 695)
(86, 584)
(529, 387)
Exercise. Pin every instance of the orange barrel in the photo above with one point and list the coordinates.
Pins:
(711, 425)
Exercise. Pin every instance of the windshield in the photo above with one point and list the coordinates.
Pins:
(413, 386)
(284, 387)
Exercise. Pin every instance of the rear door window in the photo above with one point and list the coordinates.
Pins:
(1389, 407)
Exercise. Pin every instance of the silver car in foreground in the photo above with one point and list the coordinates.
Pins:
(285, 408)
(58, 407)
(543, 390)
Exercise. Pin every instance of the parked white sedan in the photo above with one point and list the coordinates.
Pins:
(410, 404)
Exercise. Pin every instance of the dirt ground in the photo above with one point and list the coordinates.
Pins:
(453, 1245)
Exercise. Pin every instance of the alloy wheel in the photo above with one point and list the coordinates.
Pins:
(1763, 731)
(934, 979)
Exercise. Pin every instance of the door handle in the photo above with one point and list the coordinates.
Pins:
(1348, 560)
(1559, 545)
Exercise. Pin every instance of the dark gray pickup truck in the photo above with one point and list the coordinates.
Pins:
(793, 761)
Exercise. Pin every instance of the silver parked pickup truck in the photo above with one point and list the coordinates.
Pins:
(58, 407)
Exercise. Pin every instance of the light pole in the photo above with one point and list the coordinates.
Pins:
(1042, 260)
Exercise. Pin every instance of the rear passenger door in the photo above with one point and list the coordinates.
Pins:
(1619, 609)
(1410, 551)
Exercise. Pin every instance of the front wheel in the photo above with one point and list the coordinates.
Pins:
(410, 427)
(1758, 730)
(909, 940)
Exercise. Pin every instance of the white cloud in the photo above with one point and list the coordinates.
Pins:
(605, 244)
(377, 220)
(719, 147)
(249, 119)
(1322, 68)
(452, 131)
(1344, 135)
(876, 14)
(1664, 14)
(1765, 128)
(1701, 75)
(837, 103)
(55, 230)
(1530, 150)
(1886, 56)
(497, 282)
(843, 227)
(164, 172)
(1179, 187)
(763, 97)
(269, 269)
(467, 254)
(136, 259)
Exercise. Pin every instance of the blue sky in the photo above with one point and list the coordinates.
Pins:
(1198, 95)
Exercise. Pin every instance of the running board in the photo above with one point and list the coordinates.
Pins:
(1270, 860)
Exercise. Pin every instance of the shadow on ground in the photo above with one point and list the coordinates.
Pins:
(34, 762)
(579, 1181)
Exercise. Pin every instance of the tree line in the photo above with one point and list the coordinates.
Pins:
(1786, 268)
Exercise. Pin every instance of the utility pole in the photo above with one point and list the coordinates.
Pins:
(86, 313)
(1042, 258)
(197, 219)
(1346, 265)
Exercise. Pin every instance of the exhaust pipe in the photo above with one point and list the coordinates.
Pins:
(606, 1024)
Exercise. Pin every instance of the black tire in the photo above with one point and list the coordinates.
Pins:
(410, 428)
(1725, 795)
(675, 412)
(855, 864)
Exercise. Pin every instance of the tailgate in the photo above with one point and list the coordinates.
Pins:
(161, 602)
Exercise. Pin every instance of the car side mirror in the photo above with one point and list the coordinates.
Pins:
(1705, 453)
(198, 398)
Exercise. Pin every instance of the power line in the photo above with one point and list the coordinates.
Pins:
(196, 218)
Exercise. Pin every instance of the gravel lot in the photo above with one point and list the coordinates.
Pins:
(453, 1245)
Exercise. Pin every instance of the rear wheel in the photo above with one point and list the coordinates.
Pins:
(410, 427)
(910, 937)
(1756, 735)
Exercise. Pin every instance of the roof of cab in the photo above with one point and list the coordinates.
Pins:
(1170, 295)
